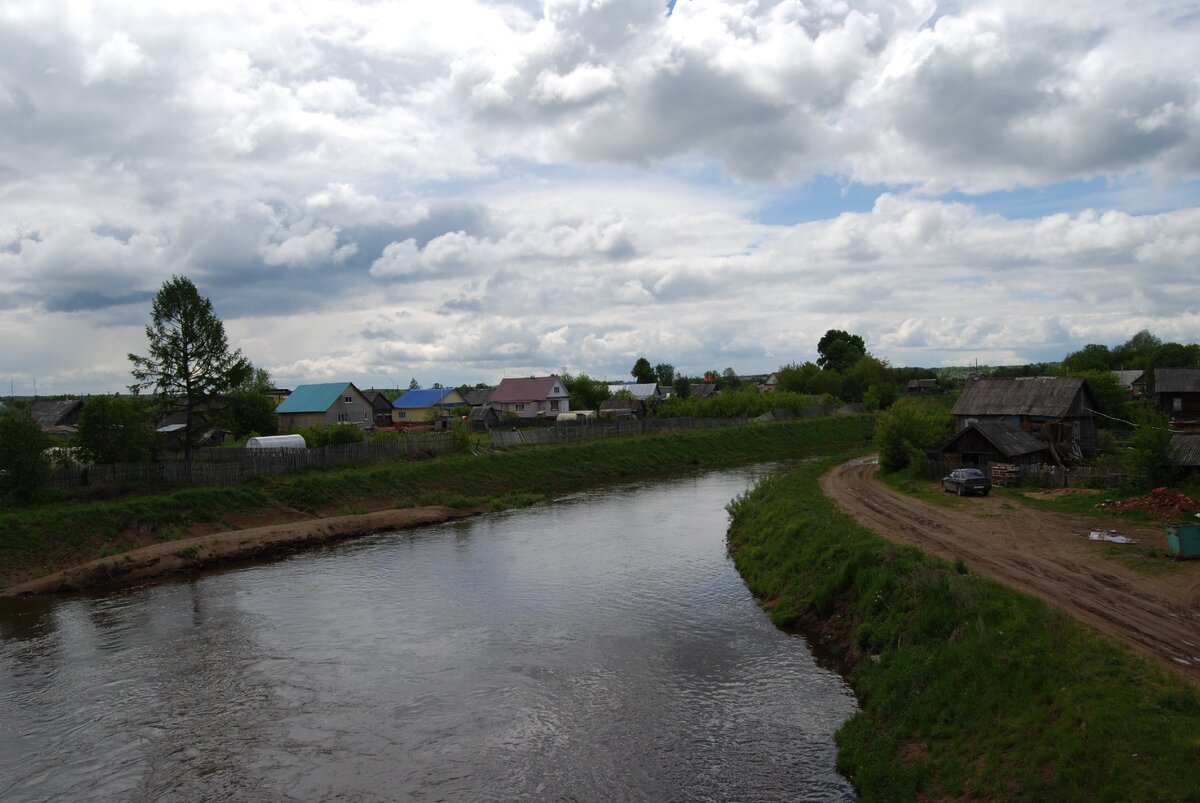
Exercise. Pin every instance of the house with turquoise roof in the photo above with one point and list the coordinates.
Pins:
(325, 403)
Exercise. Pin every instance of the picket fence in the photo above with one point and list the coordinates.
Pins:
(233, 466)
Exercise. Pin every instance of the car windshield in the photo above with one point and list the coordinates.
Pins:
(971, 473)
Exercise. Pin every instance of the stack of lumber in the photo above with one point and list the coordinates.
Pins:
(1004, 474)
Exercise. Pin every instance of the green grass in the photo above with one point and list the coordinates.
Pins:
(66, 531)
(967, 688)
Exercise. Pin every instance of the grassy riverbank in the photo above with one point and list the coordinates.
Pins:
(968, 689)
(39, 539)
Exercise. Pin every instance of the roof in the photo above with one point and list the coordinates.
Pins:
(923, 383)
(632, 405)
(483, 413)
(1177, 380)
(51, 413)
(1009, 439)
(1187, 446)
(477, 397)
(1128, 378)
(644, 390)
(534, 388)
(1050, 396)
(420, 399)
(703, 389)
(313, 398)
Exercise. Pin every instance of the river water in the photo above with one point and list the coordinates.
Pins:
(599, 648)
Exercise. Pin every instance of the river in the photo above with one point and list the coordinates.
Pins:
(599, 648)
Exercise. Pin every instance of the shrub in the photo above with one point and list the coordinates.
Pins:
(332, 435)
(906, 428)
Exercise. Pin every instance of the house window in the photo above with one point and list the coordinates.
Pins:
(366, 416)
(1177, 404)
(348, 399)
(553, 405)
(520, 407)
(400, 414)
(342, 418)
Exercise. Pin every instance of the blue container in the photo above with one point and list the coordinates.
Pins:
(1184, 540)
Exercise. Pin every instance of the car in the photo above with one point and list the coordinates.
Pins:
(967, 481)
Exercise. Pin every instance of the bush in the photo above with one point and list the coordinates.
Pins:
(332, 435)
(906, 428)
(23, 468)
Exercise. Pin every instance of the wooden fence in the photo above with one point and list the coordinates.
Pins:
(1044, 476)
(233, 466)
(615, 428)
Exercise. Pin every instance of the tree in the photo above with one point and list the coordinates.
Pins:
(839, 350)
(795, 378)
(664, 373)
(189, 364)
(250, 407)
(413, 384)
(682, 387)
(730, 380)
(642, 371)
(1135, 353)
(1092, 357)
(1152, 457)
(23, 467)
(113, 429)
(905, 429)
(586, 393)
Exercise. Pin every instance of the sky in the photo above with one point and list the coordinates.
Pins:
(464, 190)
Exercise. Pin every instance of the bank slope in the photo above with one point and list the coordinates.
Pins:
(967, 689)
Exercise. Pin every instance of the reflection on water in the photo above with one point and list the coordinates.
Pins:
(599, 648)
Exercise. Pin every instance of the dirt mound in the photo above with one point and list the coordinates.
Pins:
(1164, 504)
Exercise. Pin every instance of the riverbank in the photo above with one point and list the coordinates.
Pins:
(967, 688)
(43, 540)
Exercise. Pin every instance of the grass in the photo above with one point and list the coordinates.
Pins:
(967, 688)
(32, 538)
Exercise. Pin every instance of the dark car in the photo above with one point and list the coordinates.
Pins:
(967, 481)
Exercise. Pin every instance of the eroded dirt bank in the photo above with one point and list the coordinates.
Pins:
(190, 554)
(1047, 555)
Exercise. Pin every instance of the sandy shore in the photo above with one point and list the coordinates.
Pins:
(190, 554)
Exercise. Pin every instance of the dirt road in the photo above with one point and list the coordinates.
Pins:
(1047, 555)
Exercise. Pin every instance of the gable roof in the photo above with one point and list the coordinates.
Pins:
(1009, 439)
(477, 397)
(534, 388)
(1187, 448)
(420, 399)
(1128, 378)
(1050, 396)
(52, 413)
(639, 390)
(314, 398)
(1177, 380)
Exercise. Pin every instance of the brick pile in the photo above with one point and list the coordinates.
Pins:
(1164, 504)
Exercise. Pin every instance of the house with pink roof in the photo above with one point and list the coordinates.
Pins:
(543, 396)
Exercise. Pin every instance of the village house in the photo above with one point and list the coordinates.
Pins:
(623, 408)
(922, 387)
(995, 442)
(1134, 382)
(420, 407)
(57, 417)
(1177, 391)
(325, 403)
(530, 398)
(769, 384)
(643, 391)
(478, 397)
(381, 408)
(703, 390)
(1058, 411)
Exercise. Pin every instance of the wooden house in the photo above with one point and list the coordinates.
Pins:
(425, 406)
(381, 408)
(537, 396)
(57, 417)
(325, 403)
(922, 387)
(995, 442)
(1177, 391)
(622, 408)
(482, 418)
(703, 390)
(1059, 411)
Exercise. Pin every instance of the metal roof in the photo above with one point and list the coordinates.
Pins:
(1128, 378)
(1187, 446)
(1050, 396)
(535, 388)
(420, 399)
(644, 390)
(313, 398)
(1177, 380)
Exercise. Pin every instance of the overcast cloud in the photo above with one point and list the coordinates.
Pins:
(462, 190)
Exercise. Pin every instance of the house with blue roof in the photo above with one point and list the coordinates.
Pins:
(326, 403)
(419, 407)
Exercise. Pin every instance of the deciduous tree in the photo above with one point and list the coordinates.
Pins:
(839, 350)
(113, 429)
(642, 372)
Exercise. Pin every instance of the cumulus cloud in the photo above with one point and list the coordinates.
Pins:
(491, 185)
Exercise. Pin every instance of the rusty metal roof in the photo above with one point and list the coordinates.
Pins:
(1049, 396)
